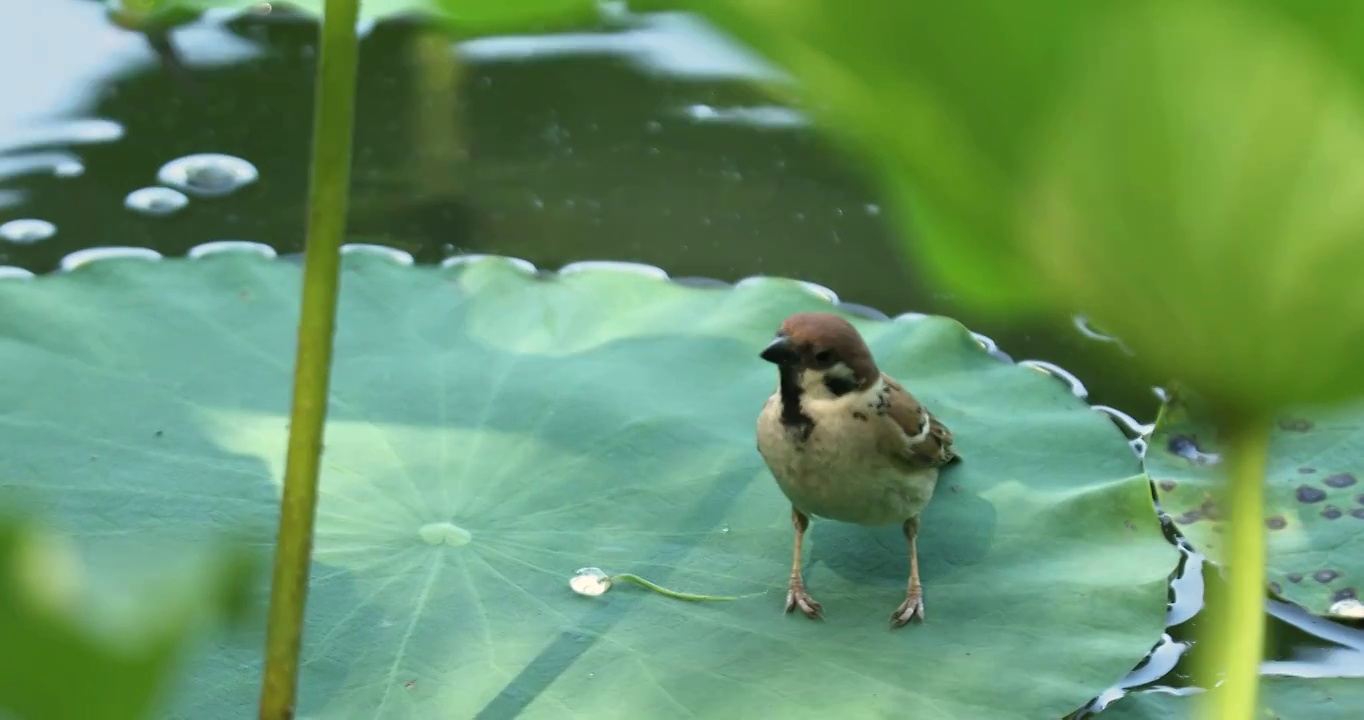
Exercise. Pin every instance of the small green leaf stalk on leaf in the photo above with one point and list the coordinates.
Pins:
(592, 582)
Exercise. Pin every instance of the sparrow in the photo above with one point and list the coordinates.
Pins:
(845, 441)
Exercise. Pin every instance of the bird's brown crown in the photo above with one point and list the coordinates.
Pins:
(824, 339)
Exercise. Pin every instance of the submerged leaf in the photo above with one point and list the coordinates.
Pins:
(1282, 698)
(85, 642)
(1314, 500)
(493, 431)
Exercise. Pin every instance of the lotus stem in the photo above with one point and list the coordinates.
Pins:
(675, 594)
(1239, 622)
(329, 184)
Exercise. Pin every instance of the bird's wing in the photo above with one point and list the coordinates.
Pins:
(906, 437)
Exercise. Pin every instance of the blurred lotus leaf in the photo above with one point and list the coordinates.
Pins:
(1186, 174)
(467, 17)
(102, 643)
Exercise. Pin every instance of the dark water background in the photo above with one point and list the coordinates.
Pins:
(645, 140)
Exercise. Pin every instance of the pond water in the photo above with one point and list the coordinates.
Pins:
(648, 141)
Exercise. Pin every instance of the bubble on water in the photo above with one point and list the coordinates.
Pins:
(68, 169)
(653, 127)
(92, 130)
(156, 200)
(590, 581)
(872, 209)
(208, 174)
(26, 231)
(724, 530)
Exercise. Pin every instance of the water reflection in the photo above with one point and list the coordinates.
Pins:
(208, 174)
(155, 200)
(27, 230)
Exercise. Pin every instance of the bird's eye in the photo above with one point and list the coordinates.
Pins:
(823, 357)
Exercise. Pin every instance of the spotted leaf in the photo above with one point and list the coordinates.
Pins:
(1314, 498)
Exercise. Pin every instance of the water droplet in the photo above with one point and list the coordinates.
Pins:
(537, 202)
(156, 200)
(68, 169)
(590, 581)
(208, 174)
(872, 209)
(27, 231)
(445, 533)
(725, 529)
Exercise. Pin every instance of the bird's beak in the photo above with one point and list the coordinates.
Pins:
(779, 352)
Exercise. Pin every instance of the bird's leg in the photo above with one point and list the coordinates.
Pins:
(913, 606)
(796, 596)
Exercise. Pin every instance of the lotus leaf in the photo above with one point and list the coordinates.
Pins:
(1282, 698)
(493, 430)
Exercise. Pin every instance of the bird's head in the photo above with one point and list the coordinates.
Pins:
(823, 353)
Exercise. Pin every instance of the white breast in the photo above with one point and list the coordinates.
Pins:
(838, 472)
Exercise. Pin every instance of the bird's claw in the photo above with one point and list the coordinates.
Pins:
(912, 607)
(797, 597)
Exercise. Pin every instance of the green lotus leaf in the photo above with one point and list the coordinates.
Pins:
(1282, 698)
(491, 431)
(101, 643)
(1314, 502)
(465, 16)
